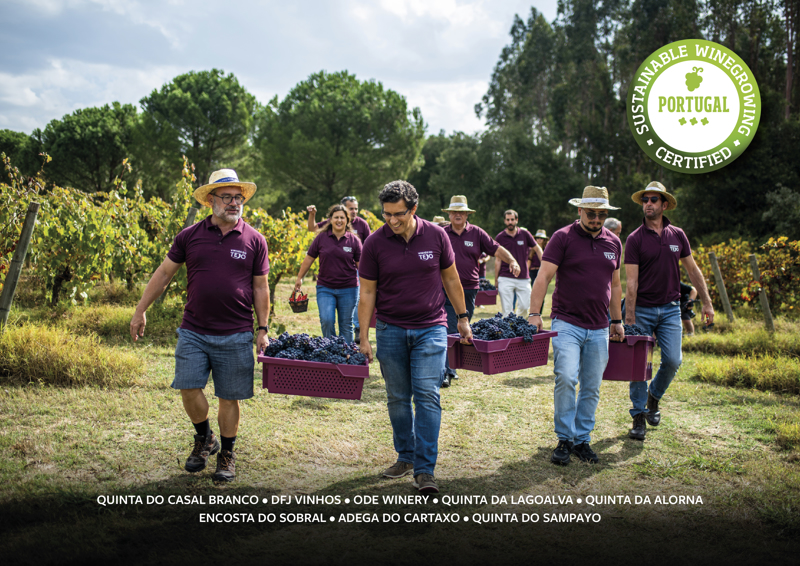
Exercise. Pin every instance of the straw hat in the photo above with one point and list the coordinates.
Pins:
(458, 204)
(541, 234)
(593, 197)
(224, 178)
(440, 221)
(656, 187)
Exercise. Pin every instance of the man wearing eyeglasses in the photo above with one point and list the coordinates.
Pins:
(227, 265)
(587, 258)
(362, 231)
(406, 268)
(653, 253)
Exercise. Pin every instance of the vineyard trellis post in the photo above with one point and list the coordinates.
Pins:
(762, 294)
(189, 221)
(723, 293)
(14, 270)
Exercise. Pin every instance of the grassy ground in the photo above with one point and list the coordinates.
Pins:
(732, 448)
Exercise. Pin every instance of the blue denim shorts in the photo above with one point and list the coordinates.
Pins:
(229, 359)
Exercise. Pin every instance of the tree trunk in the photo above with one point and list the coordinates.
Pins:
(790, 10)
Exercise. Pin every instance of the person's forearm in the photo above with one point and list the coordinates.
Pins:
(155, 288)
(699, 283)
(615, 308)
(261, 304)
(304, 267)
(538, 291)
(366, 308)
(631, 288)
(455, 292)
(503, 254)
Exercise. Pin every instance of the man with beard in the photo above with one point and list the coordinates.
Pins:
(587, 259)
(227, 265)
(514, 288)
(653, 253)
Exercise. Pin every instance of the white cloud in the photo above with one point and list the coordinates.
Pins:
(445, 105)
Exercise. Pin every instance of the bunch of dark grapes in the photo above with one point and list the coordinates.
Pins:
(634, 330)
(499, 327)
(486, 286)
(334, 350)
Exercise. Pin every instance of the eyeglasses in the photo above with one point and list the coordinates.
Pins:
(651, 199)
(591, 215)
(238, 199)
(389, 215)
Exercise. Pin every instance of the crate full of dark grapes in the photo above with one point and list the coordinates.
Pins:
(484, 298)
(313, 379)
(630, 360)
(499, 356)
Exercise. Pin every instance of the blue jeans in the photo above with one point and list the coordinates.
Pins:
(331, 301)
(452, 317)
(665, 321)
(579, 356)
(411, 363)
(355, 308)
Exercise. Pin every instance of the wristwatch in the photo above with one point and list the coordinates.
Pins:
(464, 315)
(264, 328)
(616, 322)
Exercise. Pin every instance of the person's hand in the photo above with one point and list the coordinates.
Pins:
(297, 284)
(465, 330)
(616, 332)
(138, 322)
(312, 210)
(514, 269)
(537, 321)
(366, 348)
(262, 341)
(630, 318)
(708, 313)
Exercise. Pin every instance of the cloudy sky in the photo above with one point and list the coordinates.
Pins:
(60, 55)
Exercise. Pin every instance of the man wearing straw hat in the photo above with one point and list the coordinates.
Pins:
(587, 259)
(226, 264)
(653, 253)
(514, 287)
(468, 242)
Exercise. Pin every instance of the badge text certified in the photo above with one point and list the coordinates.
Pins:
(693, 106)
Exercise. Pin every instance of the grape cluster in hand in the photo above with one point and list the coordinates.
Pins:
(499, 327)
(634, 330)
(486, 286)
(333, 350)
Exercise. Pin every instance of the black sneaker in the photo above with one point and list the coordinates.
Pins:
(653, 415)
(585, 453)
(226, 466)
(639, 429)
(203, 448)
(446, 380)
(561, 453)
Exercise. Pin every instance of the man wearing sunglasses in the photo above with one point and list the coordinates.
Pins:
(406, 268)
(227, 265)
(653, 254)
(587, 258)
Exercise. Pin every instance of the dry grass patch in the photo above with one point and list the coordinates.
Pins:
(747, 337)
(767, 373)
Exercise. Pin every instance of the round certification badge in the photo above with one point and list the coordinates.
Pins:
(693, 106)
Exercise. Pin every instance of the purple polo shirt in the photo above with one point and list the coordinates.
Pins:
(658, 259)
(481, 269)
(410, 293)
(586, 266)
(359, 225)
(337, 259)
(468, 247)
(518, 246)
(220, 271)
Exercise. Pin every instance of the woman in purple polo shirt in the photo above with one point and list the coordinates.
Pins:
(339, 251)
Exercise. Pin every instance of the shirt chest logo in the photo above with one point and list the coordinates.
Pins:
(675, 249)
(610, 255)
(468, 243)
(347, 249)
(425, 256)
(520, 243)
(238, 254)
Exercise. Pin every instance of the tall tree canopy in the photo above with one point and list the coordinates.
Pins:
(334, 135)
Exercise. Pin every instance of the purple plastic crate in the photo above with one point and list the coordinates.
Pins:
(630, 360)
(313, 379)
(499, 356)
(484, 298)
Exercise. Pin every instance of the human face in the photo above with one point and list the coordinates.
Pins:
(352, 209)
(339, 221)
(540, 241)
(653, 210)
(399, 224)
(228, 213)
(511, 222)
(592, 225)
(458, 219)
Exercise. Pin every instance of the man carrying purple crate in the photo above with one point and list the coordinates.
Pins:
(653, 253)
(468, 242)
(227, 265)
(587, 259)
(404, 267)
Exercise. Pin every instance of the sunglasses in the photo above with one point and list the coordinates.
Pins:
(650, 199)
(592, 215)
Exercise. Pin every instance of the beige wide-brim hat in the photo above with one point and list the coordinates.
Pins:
(440, 220)
(541, 234)
(223, 178)
(656, 187)
(593, 197)
(458, 204)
